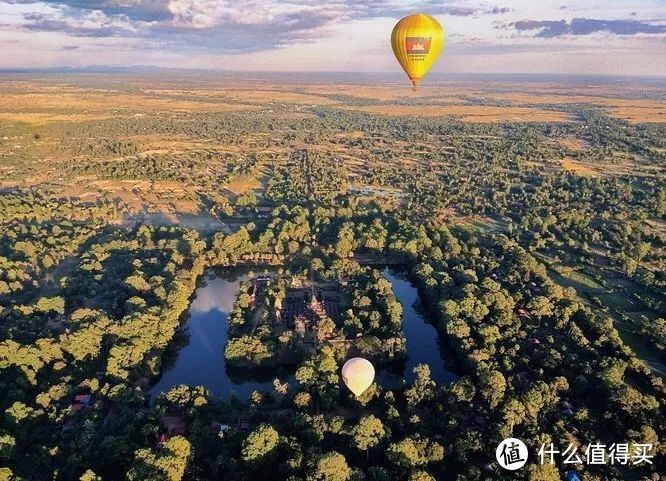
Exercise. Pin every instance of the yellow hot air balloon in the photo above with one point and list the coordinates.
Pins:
(358, 374)
(417, 41)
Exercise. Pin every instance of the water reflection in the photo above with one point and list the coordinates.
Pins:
(201, 361)
(423, 344)
(218, 295)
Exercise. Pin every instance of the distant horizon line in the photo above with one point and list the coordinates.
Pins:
(153, 68)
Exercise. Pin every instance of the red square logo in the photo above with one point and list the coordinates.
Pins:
(418, 45)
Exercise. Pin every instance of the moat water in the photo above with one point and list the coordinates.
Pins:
(423, 343)
(201, 361)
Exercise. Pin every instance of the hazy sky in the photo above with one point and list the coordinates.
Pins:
(534, 36)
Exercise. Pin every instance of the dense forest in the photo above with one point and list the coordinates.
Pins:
(483, 218)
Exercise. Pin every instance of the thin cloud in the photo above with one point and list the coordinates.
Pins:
(498, 10)
(334, 35)
(202, 25)
(435, 7)
(229, 26)
(279, 22)
(93, 23)
(586, 26)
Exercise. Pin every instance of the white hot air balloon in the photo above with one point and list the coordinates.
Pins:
(358, 374)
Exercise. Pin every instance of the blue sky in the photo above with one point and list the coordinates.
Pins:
(515, 36)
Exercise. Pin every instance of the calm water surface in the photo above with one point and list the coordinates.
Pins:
(423, 345)
(201, 361)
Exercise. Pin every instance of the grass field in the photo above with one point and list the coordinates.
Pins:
(95, 96)
(628, 314)
(55, 122)
(240, 184)
(579, 168)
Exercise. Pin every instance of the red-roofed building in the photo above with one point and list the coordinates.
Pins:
(161, 439)
(84, 399)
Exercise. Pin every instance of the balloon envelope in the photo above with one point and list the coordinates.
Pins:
(417, 41)
(358, 374)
